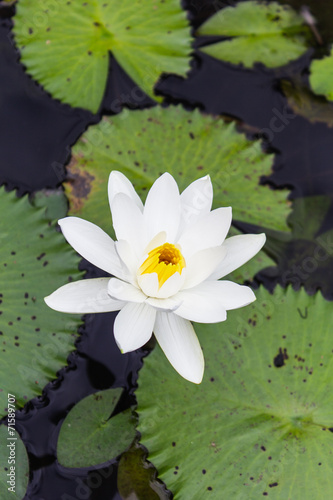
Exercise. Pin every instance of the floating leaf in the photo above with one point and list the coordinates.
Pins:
(271, 34)
(136, 478)
(12, 448)
(65, 45)
(303, 102)
(321, 76)
(89, 437)
(305, 256)
(261, 422)
(189, 145)
(34, 260)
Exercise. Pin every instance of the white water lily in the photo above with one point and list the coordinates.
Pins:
(167, 262)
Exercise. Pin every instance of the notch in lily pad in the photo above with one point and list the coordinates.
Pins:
(65, 45)
(90, 435)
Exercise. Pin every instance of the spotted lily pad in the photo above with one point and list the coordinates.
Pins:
(189, 145)
(14, 470)
(89, 437)
(261, 422)
(268, 33)
(65, 45)
(34, 260)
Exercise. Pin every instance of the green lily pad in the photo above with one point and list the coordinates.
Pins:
(34, 260)
(14, 461)
(261, 422)
(136, 479)
(321, 76)
(268, 33)
(89, 437)
(303, 102)
(143, 145)
(65, 45)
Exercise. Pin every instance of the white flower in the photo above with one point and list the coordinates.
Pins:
(167, 262)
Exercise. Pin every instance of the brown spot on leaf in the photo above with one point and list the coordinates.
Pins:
(79, 183)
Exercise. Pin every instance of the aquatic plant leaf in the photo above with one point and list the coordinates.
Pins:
(13, 449)
(304, 103)
(271, 34)
(321, 76)
(261, 422)
(136, 477)
(34, 260)
(189, 145)
(305, 256)
(89, 437)
(65, 45)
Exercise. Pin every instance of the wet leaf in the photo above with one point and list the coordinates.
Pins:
(321, 76)
(65, 45)
(189, 145)
(13, 449)
(34, 260)
(89, 437)
(137, 478)
(268, 33)
(261, 422)
(303, 102)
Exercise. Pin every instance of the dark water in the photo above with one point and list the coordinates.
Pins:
(36, 134)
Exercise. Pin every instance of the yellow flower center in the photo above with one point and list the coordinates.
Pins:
(165, 260)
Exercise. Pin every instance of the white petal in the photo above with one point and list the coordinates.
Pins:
(201, 304)
(162, 208)
(209, 231)
(169, 304)
(92, 243)
(149, 284)
(196, 201)
(180, 344)
(118, 183)
(209, 301)
(83, 297)
(202, 264)
(133, 326)
(120, 290)
(158, 240)
(172, 285)
(240, 249)
(127, 221)
(232, 295)
(129, 260)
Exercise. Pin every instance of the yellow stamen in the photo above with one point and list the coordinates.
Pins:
(165, 260)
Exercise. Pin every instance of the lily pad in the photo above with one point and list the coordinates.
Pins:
(35, 259)
(268, 33)
(261, 422)
(189, 145)
(14, 465)
(321, 76)
(89, 437)
(303, 102)
(65, 45)
(136, 478)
